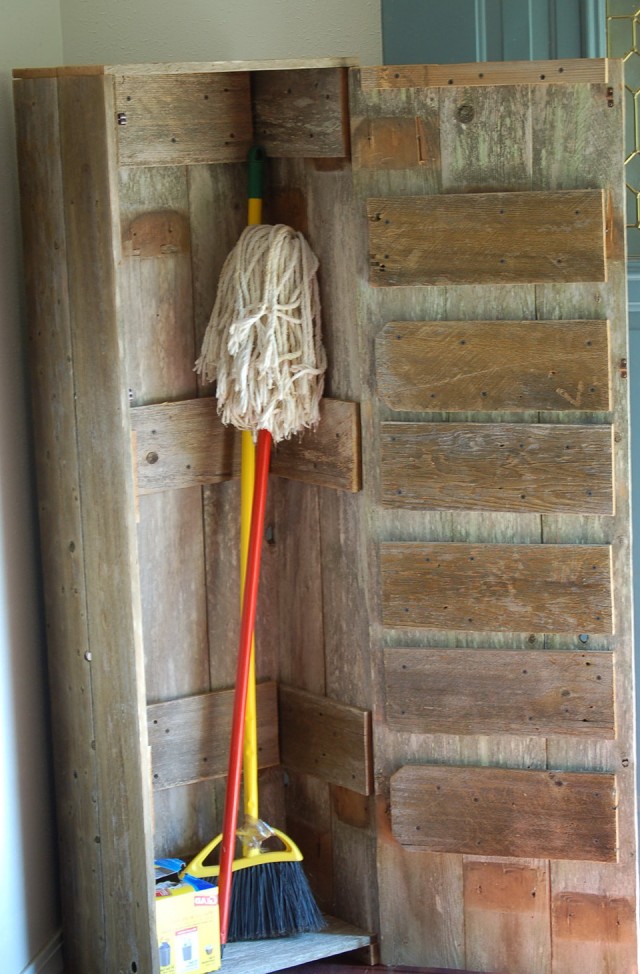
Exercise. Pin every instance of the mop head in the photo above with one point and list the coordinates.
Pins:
(262, 345)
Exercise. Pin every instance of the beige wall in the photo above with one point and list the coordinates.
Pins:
(120, 31)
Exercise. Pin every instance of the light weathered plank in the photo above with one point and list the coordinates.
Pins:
(479, 587)
(507, 907)
(327, 739)
(596, 930)
(179, 119)
(494, 365)
(187, 67)
(567, 71)
(301, 113)
(497, 467)
(505, 812)
(183, 444)
(112, 603)
(487, 238)
(189, 737)
(61, 538)
(484, 691)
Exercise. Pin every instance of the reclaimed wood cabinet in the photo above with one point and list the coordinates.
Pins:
(444, 634)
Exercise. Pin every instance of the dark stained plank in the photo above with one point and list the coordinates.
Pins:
(497, 467)
(189, 737)
(485, 691)
(497, 587)
(487, 238)
(494, 365)
(183, 444)
(301, 113)
(326, 739)
(177, 119)
(505, 812)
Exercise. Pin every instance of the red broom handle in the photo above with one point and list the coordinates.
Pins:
(247, 623)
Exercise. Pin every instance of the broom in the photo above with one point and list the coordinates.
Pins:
(263, 347)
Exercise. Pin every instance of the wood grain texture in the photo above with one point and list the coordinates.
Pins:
(183, 118)
(61, 548)
(505, 812)
(184, 444)
(187, 67)
(494, 365)
(301, 113)
(479, 587)
(567, 71)
(327, 739)
(189, 737)
(497, 467)
(112, 606)
(487, 238)
(484, 691)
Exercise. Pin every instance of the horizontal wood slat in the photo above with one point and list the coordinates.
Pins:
(494, 365)
(504, 812)
(487, 238)
(183, 119)
(326, 739)
(592, 917)
(189, 737)
(301, 113)
(488, 691)
(495, 587)
(497, 467)
(183, 444)
(568, 71)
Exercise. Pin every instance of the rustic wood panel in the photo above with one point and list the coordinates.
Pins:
(487, 238)
(112, 605)
(506, 906)
(494, 365)
(327, 739)
(567, 71)
(183, 118)
(189, 737)
(183, 444)
(573, 158)
(594, 928)
(497, 467)
(301, 113)
(479, 587)
(484, 691)
(62, 551)
(505, 812)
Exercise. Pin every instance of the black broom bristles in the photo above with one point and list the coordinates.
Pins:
(272, 899)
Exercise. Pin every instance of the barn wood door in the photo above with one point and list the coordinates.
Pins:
(492, 315)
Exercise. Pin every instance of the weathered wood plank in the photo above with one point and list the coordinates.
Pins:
(189, 737)
(327, 739)
(505, 812)
(494, 365)
(506, 908)
(480, 587)
(301, 113)
(61, 539)
(184, 444)
(484, 691)
(497, 467)
(187, 67)
(183, 118)
(596, 930)
(567, 71)
(487, 238)
(112, 606)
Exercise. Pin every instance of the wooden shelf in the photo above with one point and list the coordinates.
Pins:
(264, 956)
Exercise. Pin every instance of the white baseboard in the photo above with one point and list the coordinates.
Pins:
(49, 960)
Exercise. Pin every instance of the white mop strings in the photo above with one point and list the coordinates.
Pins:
(262, 344)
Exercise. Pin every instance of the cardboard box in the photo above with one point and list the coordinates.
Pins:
(187, 921)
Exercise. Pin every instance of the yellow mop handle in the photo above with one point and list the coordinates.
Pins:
(247, 477)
